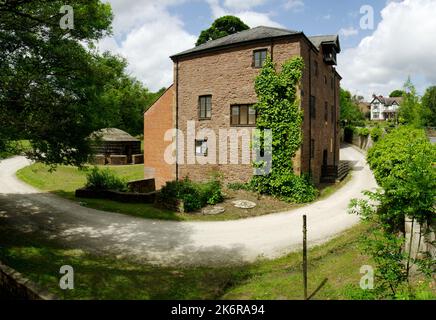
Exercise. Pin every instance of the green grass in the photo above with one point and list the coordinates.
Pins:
(65, 180)
(101, 277)
(68, 179)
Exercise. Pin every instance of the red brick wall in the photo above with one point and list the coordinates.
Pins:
(323, 132)
(228, 76)
(157, 120)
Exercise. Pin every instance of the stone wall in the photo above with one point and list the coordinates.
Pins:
(420, 239)
(13, 286)
(362, 142)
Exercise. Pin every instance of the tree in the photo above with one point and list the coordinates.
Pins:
(125, 98)
(50, 80)
(222, 27)
(402, 163)
(429, 105)
(397, 94)
(411, 111)
(350, 112)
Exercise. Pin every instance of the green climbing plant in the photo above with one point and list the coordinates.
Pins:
(278, 110)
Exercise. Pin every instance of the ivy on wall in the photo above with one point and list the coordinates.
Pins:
(278, 109)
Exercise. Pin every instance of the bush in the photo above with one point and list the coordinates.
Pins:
(211, 192)
(239, 186)
(104, 180)
(402, 163)
(376, 134)
(287, 187)
(193, 195)
(363, 132)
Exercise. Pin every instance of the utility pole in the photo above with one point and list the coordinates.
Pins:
(305, 255)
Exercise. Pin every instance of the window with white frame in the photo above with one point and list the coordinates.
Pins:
(201, 147)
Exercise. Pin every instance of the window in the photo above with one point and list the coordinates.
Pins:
(205, 107)
(242, 115)
(326, 111)
(312, 148)
(325, 80)
(315, 65)
(313, 107)
(259, 57)
(201, 148)
(376, 115)
(333, 113)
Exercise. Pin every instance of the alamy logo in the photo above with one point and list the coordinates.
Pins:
(367, 281)
(67, 21)
(205, 146)
(67, 280)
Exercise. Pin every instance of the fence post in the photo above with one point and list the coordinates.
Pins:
(305, 255)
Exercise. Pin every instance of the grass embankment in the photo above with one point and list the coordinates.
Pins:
(65, 180)
(98, 277)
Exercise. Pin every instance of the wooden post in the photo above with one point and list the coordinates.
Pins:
(305, 255)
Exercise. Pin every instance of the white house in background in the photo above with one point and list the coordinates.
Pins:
(384, 108)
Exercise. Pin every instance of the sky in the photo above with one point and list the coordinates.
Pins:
(376, 57)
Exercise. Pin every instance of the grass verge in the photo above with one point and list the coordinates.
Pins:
(102, 277)
(335, 264)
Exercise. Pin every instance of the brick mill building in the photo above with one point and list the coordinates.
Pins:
(214, 88)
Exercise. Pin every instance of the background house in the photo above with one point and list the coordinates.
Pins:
(384, 108)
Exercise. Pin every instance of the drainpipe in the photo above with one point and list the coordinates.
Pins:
(177, 120)
(310, 111)
(335, 134)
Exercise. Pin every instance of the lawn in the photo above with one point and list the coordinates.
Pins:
(100, 277)
(65, 180)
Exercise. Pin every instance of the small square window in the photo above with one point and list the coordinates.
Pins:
(201, 148)
(259, 57)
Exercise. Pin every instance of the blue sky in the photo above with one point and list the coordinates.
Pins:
(377, 60)
(314, 17)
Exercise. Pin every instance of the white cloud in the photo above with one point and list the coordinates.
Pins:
(401, 45)
(251, 18)
(146, 34)
(348, 32)
(242, 4)
(294, 5)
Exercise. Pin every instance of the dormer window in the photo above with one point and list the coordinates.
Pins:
(330, 54)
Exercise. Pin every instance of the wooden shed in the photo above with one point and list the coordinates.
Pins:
(116, 147)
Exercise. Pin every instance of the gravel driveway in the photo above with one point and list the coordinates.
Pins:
(28, 210)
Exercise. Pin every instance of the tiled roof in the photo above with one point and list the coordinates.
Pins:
(258, 33)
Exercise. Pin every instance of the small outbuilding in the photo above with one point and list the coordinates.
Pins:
(116, 147)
